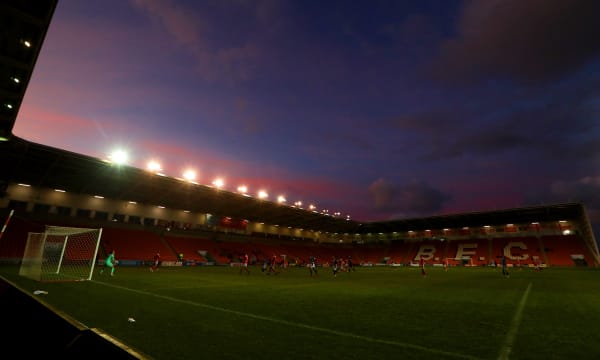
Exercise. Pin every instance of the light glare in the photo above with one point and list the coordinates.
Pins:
(262, 194)
(154, 166)
(189, 175)
(218, 183)
(118, 157)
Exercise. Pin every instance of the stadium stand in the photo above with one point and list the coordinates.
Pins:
(566, 250)
(134, 245)
(528, 248)
(189, 246)
(15, 239)
(476, 250)
(399, 252)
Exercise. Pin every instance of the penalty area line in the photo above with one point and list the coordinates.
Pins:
(514, 326)
(298, 325)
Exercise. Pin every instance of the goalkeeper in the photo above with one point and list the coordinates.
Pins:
(109, 263)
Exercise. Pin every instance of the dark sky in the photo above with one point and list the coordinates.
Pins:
(376, 109)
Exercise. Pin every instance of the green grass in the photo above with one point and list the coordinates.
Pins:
(184, 313)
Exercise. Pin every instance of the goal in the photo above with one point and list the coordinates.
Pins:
(61, 254)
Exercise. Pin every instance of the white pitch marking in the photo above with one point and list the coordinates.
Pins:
(514, 326)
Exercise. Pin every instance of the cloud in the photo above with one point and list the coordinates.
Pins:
(585, 189)
(412, 199)
(215, 60)
(432, 120)
(528, 120)
(383, 194)
(182, 25)
(527, 41)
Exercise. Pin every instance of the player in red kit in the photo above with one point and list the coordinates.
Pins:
(156, 262)
(244, 265)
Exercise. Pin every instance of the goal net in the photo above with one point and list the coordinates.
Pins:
(61, 254)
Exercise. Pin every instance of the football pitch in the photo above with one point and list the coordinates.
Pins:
(372, 313)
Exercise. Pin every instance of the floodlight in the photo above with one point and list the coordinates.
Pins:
(189, 175)
(153, 166)
(118, 157)
(242, 189)
(312, 207)
(15, 80)
(262, 194)
(218, 183)
(281, 199)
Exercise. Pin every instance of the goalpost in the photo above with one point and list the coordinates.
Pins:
(61, 254)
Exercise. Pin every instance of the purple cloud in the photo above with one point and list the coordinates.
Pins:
(411, 199)
(527, 41)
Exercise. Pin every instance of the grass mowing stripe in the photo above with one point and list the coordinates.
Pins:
(514, 326)
(299, 325)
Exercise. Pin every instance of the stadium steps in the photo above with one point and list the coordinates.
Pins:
(168, 245)
(189, 246)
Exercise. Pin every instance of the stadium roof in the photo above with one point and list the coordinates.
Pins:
(44, 166)
(523, 215)
(23, 27)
